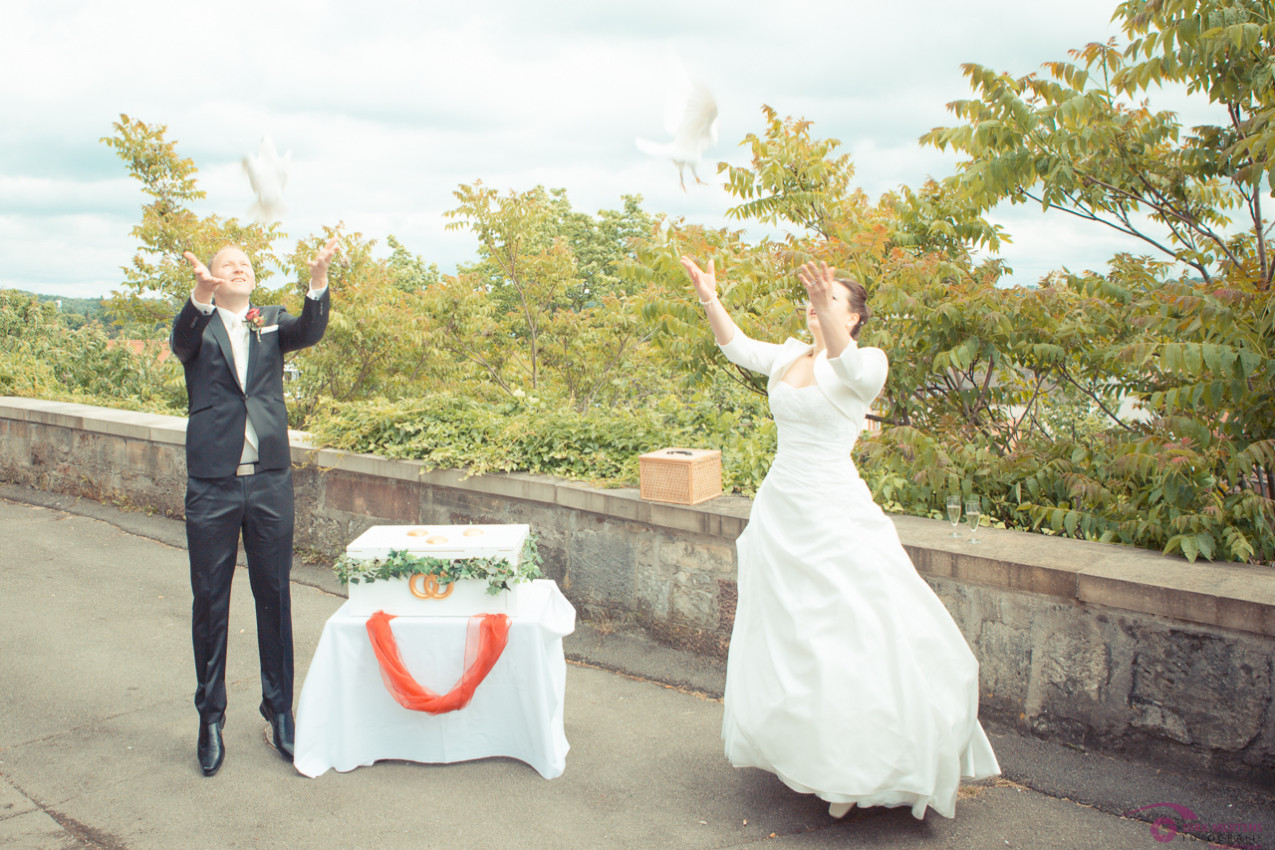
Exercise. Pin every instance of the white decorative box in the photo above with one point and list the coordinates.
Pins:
(419, 596)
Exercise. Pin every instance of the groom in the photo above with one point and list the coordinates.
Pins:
(239, 468)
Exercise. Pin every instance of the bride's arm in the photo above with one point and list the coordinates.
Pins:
(738, 347)
(863, 370)
(724, 328)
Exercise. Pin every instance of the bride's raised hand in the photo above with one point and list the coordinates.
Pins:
(705, 281)
(818, 279)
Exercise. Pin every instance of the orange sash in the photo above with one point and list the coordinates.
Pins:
(485, 639)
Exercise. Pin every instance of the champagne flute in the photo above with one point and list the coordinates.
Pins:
(954, 513)
(973, 509)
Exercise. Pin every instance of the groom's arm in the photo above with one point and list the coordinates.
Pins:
(295, 333)
(188, 331)
(188, 327)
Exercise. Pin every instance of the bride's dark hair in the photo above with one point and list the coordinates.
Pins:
(858, 303)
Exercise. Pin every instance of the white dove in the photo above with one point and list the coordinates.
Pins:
(268, 174)
(691, 118)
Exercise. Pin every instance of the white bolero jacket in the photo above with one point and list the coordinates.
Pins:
(851, 381)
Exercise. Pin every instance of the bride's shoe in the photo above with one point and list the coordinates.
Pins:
(839, 810)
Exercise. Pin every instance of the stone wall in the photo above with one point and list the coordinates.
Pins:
(1101, 646)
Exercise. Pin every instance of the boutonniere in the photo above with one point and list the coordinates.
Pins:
(255, 320)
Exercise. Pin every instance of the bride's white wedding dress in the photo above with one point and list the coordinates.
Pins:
(846, 677)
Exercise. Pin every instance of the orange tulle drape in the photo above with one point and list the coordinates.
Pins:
(485, 640)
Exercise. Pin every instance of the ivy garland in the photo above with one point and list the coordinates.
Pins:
(402, 564)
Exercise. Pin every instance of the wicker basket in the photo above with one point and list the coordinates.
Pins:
(682, 476)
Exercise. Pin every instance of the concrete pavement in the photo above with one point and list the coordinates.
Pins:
(97, 738)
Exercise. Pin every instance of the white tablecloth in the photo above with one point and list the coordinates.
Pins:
(346, 718)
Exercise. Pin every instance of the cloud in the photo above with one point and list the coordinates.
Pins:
(76, 255)
(43, 196)
(391, 104)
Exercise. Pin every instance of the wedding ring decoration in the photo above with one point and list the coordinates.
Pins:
(425, 585)
(429, 587)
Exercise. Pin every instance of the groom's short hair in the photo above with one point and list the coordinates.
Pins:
(225, 247)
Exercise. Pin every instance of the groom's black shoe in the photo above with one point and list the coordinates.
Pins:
(210, 751)
(281, 733)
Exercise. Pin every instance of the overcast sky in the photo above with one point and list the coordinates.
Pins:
(389, 105)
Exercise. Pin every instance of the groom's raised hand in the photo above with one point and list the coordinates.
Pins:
(319, 265)
(205, 284)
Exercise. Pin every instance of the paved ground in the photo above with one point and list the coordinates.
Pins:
(97, 738)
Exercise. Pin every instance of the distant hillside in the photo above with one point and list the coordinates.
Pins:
(83, 311)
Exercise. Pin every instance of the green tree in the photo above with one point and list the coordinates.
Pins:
(43, 356)
(1009, 395)
(374, 346)
(1073, 140)
(532, 315)
(411, 273)
(158, 278)
(28, 330)
(524, 271)
(601, 246)
(904, 241)
(1198, 354)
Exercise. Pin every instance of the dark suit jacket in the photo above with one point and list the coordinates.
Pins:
(218, 406)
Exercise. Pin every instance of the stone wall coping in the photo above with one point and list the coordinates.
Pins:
(154, 427)
(1226, 595)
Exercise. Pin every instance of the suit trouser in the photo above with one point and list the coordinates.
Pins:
(218, 510)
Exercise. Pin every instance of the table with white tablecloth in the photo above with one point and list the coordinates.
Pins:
(346, 717)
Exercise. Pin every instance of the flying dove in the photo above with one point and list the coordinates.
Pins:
(268, 174)
(691, 118)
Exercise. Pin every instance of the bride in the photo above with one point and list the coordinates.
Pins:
(846, 677)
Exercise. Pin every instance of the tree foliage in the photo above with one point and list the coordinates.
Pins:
(1128, 407)
(526, 434)
(543, 310)
(44, 356)
(158, 278)
(372, 346)
(1073, 140)
(1134, 406)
